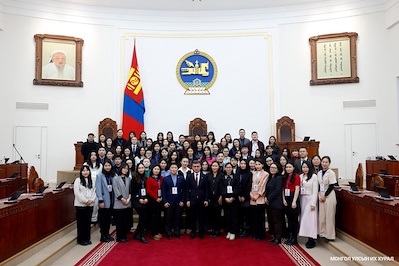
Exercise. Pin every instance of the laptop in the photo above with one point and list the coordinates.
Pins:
(384, 195)
(13, 176)
(392, 158)
(39, 193)
(354, 189)
(59, 187)
(306, 138)
(14, 197)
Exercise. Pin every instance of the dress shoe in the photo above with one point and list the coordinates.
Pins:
(169, 237)
(110, 238)
(255, 238)
(104, 239)
(217, 233)
(178, 236)
(311, 243)
(201, 236)
(272, 239)
(192, 236)
(228, 236)
(232, 237)
(123, 240)
(143, 240)
(244, 234)
(327, 240)
(276, 241)
(83, 243)
(89, 242)
(291, 242)
(136, 236)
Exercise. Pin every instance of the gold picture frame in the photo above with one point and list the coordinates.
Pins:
(333, 58)
(58, 60)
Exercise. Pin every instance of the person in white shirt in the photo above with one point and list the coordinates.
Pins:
(85, 195)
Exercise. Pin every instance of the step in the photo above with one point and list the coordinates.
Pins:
(38, 246)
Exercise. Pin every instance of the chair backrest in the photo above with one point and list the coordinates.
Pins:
(197, 126)
(359, 176)
(32, 177)
(376, 181)
(108, 127)
(285, 128)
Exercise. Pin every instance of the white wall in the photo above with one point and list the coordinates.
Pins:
(317, 110)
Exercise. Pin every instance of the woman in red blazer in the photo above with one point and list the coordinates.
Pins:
(154, 184)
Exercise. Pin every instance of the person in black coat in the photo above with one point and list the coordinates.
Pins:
(140, 201)
(215, 200)
(229, 189)
(274, 201)
(244, 217)
(120, 141)
(89, 146)
(197, 198)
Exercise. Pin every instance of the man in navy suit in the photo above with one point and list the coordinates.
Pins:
(173, 197)
(197, 198)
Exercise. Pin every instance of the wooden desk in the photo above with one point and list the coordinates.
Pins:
(374, 166)
(389, 183)
(311, 146)
(9, 186)
(6, 170)
(28, 221)
(374, 222)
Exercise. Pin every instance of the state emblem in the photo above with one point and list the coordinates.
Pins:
(196, 72)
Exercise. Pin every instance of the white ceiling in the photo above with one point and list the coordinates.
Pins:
(189, 5)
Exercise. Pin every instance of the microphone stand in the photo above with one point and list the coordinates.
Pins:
(20, 160)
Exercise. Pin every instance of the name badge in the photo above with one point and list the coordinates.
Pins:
(321, 187)
(159, 193)
(229, 189)
(303, 191)
(109, 188)
(93, 175)
(255, 188)
(143, 192)
(88, 193)
(287, 192)
(174, 190)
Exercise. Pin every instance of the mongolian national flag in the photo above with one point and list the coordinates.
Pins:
(133, 102)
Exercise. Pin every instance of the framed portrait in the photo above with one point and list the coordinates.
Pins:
(58, 60)
(333, 58)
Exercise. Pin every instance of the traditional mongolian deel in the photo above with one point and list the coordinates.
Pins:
(196, 72)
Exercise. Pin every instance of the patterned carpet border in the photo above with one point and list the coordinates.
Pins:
(298, 255)
(97, 253)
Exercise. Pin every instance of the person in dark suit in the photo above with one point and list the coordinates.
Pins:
(197, 198)
(89, 146)
(215, 200)
(303, 156)
(173, 197)
(255, 144)
(274, 201)
(119, 140)
(229, 189)
(244, 217)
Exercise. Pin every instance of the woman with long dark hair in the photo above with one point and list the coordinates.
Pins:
(210, 139)
(122, 197)
(244, 217)
(105, 195)
(85, 195)
(95, 167)
(215, 200)
(154, 184)
(140, 201)
(309, 213)
(291, 185)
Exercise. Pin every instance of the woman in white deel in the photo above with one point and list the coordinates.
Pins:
(327, 200)
(309, 214)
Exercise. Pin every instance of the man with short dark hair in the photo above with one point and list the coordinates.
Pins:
(255, 144)
(119, 140)
(89, 146)
(173, 197)
(303, 156)
(197, 198)
(242, 139)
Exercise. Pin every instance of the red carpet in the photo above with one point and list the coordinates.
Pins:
(210, 251)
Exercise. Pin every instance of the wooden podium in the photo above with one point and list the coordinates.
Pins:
(79, 160)
(6, 170)
(311, 146)
(374, 166)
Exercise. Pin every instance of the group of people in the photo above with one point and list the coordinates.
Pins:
(245, 178)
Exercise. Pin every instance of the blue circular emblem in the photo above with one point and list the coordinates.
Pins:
(196, 72)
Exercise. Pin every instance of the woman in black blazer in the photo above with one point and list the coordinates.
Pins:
(140, 201)
(274, 200)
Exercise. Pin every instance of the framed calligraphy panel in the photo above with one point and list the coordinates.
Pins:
(333, 58)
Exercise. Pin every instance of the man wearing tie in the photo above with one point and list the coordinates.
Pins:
(197, 198)
(243, 140)
(173, 196)
(303, 156)
(133, 145)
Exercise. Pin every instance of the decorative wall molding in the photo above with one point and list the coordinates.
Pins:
(391, 13)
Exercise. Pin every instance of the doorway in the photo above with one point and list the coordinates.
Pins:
(31, 142)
